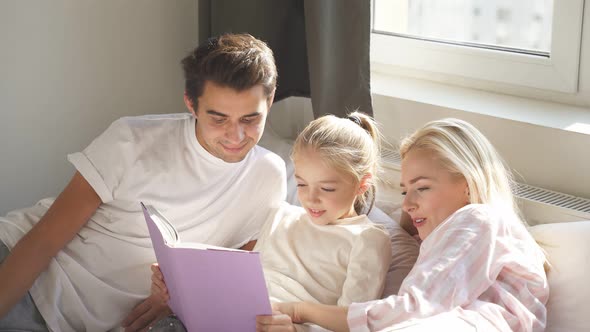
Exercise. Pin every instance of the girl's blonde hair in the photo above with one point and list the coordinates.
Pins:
(466, 152)
(350, 145)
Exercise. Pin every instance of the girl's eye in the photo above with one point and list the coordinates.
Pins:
(329, 190)
(404, 193)
(300, 185)
(423, 189)
(218, 121)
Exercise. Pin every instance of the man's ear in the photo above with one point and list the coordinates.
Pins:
(271, 98)
(365, 184)
(189, 105)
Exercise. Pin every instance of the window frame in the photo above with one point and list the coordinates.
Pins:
(559, 72)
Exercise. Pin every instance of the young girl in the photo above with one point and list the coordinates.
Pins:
(478, 269)
(326, 251)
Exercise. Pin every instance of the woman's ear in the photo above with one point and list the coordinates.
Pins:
(467, 195)
(365, 184)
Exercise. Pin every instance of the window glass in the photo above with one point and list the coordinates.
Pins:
(522, 26)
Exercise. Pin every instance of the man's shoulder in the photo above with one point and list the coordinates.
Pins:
(156, 127)
(152, 120)
(262, 156)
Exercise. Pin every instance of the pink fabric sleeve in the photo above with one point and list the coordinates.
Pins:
(458, 262)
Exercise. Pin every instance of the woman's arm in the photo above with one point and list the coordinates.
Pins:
(330, 317)
(32, 254)
(285, 314)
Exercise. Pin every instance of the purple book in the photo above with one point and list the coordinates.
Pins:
(211, 288)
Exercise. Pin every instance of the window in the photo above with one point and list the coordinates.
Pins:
(531, 43)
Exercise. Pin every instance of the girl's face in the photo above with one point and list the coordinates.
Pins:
(431, 192)
(326, 194)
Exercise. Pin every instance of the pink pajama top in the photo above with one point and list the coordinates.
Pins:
(479, 265)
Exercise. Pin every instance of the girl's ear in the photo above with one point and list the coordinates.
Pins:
(365, 184)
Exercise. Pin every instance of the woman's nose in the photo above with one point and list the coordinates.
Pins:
(408, 203)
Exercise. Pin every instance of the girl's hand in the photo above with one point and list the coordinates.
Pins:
(158, 288)
(277, 322)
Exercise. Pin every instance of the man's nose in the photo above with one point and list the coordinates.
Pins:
(235, 133)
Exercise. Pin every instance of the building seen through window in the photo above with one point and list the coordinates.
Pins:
(518, 26)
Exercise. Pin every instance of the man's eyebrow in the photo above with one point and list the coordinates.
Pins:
(416, 179)
(215, 113)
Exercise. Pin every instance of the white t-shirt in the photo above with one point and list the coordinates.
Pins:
(97, 279)
(329, 264)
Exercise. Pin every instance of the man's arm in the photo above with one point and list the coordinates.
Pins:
(32, 254)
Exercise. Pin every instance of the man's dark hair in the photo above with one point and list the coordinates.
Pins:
(238, 61)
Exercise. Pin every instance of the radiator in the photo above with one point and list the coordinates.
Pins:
(538, 205)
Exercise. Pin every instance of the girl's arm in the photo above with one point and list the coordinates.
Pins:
(33, 253)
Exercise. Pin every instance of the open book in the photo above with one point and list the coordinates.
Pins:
(211, 288)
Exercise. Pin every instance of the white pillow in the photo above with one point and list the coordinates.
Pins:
(272, 141)
(568, 250)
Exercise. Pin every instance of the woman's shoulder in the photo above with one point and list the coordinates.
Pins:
(481, 216)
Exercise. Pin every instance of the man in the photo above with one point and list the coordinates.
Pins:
(84, 257)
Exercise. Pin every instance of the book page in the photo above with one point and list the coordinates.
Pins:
(168, 231)
(202, 246)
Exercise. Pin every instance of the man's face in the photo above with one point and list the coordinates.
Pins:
(230, 123)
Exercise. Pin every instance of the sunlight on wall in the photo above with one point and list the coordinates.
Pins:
(578, 127)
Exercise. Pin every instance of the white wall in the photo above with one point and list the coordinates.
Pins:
(541, 156)
(69, 68)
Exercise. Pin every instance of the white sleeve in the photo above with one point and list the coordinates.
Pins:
(270, 194)
(106, 160)
(367, 266)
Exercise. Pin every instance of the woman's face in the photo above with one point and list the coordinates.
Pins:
(431, 192)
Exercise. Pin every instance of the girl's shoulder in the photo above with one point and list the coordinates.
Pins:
(364, 227)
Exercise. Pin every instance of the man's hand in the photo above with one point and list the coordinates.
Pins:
(158, 287)
(146, 314)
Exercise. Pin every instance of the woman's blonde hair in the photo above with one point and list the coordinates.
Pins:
(466, 152)
(350, 145)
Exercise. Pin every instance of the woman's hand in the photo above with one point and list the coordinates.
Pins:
(289, 308)
(283, 317)
(277, 322)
